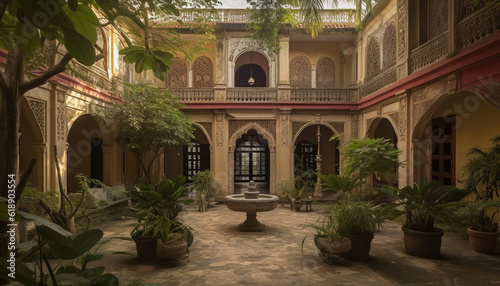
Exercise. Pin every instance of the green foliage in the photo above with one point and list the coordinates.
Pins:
(30, 197)
(150, 120)
(205, 184)
(422, 204)
(354, 217)
(327, 229)
(478, 218)
(34, 268)
(156, 208)
(482, 171)
(340, 184)
(367, 157)
(304, 177)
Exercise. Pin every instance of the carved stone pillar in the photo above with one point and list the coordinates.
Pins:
(40, 154)
(221, 168)
(220, 63)
(285, 163)
(402, 41)
(57, 137)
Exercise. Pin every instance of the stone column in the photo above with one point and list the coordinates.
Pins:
(404, 145)
(40, 154)
(285, 145)
(222, 169)
(220, 69)
(419, 160)
(57, 136)
(283, 72)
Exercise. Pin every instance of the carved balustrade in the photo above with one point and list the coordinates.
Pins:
(323, 95)
(243, 15)
(478, 25)
(252, 94)
(429, 52)
(379, 81)
(193, 94)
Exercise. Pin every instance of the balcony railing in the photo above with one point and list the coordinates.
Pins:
(252, 94)
(379, 81)
(478, 25)
(264, 94)
(429, 52)
(323, 95)
(243, 15)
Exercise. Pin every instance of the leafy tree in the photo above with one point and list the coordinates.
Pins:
(150, 120)
(270, 16)
(32, 32)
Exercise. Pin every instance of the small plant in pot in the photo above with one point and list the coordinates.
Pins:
(420, 205)
(482, 173)
(330, 243)
(156, 211)
(206, 188)
(358, 221)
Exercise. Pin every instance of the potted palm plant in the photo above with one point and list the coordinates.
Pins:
(420, 205)
(482, 173)
(330, 243)
(357, 220)
(156, 211)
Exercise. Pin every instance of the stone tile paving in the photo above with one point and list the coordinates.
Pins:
(222, 255)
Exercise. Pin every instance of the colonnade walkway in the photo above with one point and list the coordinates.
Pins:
(222, 255)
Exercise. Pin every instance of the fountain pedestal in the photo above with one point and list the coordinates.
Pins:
(251, 203)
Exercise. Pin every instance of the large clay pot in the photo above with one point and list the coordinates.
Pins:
(423, 244)
(335, 247)
(360, 247)
(173, 248)
(483, 242)
(146, 247)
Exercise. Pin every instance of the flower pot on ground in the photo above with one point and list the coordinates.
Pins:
(329, 242)
(482, 179)
(421, 204)
(174, 247)
(146, 247)
(156, 212)
(358, 221)
(297, 204)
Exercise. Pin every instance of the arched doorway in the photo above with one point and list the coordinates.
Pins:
(251, 162)
(85, 153)
(306, 149)
(251, 65)
(382, 128)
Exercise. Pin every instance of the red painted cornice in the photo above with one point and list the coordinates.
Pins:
(270, 105)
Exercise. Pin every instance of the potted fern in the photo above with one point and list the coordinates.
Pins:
(482, 173)
(420, 205)
(357, 220)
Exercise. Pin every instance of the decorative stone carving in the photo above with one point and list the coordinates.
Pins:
(296, 126)
(39, 109)
(369, 122)
(70, 114)
(420, 108)
(268, 125)
(355, 126)
(61, 115)
(394, 116)
(401, 71)
(389, 46)
(402, 20)
(219, 129)
(177, 77)
(193, 94)
(472, 6)
(372, 58)
(375, 83)
(379, 112)
(429, 52)
(238, 46)
(203, 72)
(208, 128)
(101, 49)
(478, 26)
(284, 118)
(338, 126)
(438, 18)
(325, 73)
(402, 118)
(300, 72)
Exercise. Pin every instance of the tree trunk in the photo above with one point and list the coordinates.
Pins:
(10, 106)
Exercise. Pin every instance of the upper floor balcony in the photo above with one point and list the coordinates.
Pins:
(265, 95)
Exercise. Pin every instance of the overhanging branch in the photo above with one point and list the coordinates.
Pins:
(59, 68)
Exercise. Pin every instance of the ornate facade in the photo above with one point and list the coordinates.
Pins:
(413, 66)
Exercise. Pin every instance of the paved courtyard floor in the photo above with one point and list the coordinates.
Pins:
(222, 255)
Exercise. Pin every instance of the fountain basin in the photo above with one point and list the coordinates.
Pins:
(251, 203)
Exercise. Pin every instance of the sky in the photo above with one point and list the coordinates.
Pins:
(243, 4)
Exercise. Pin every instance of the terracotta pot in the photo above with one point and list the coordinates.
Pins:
(297, 204)
(483, 242)
(146, 247)
(423, 244)
(171, 249)
(335, 247)
(360, 247)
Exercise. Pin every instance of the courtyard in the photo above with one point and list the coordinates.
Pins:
(222, 255)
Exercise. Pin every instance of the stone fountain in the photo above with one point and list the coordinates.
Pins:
(252, 202)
